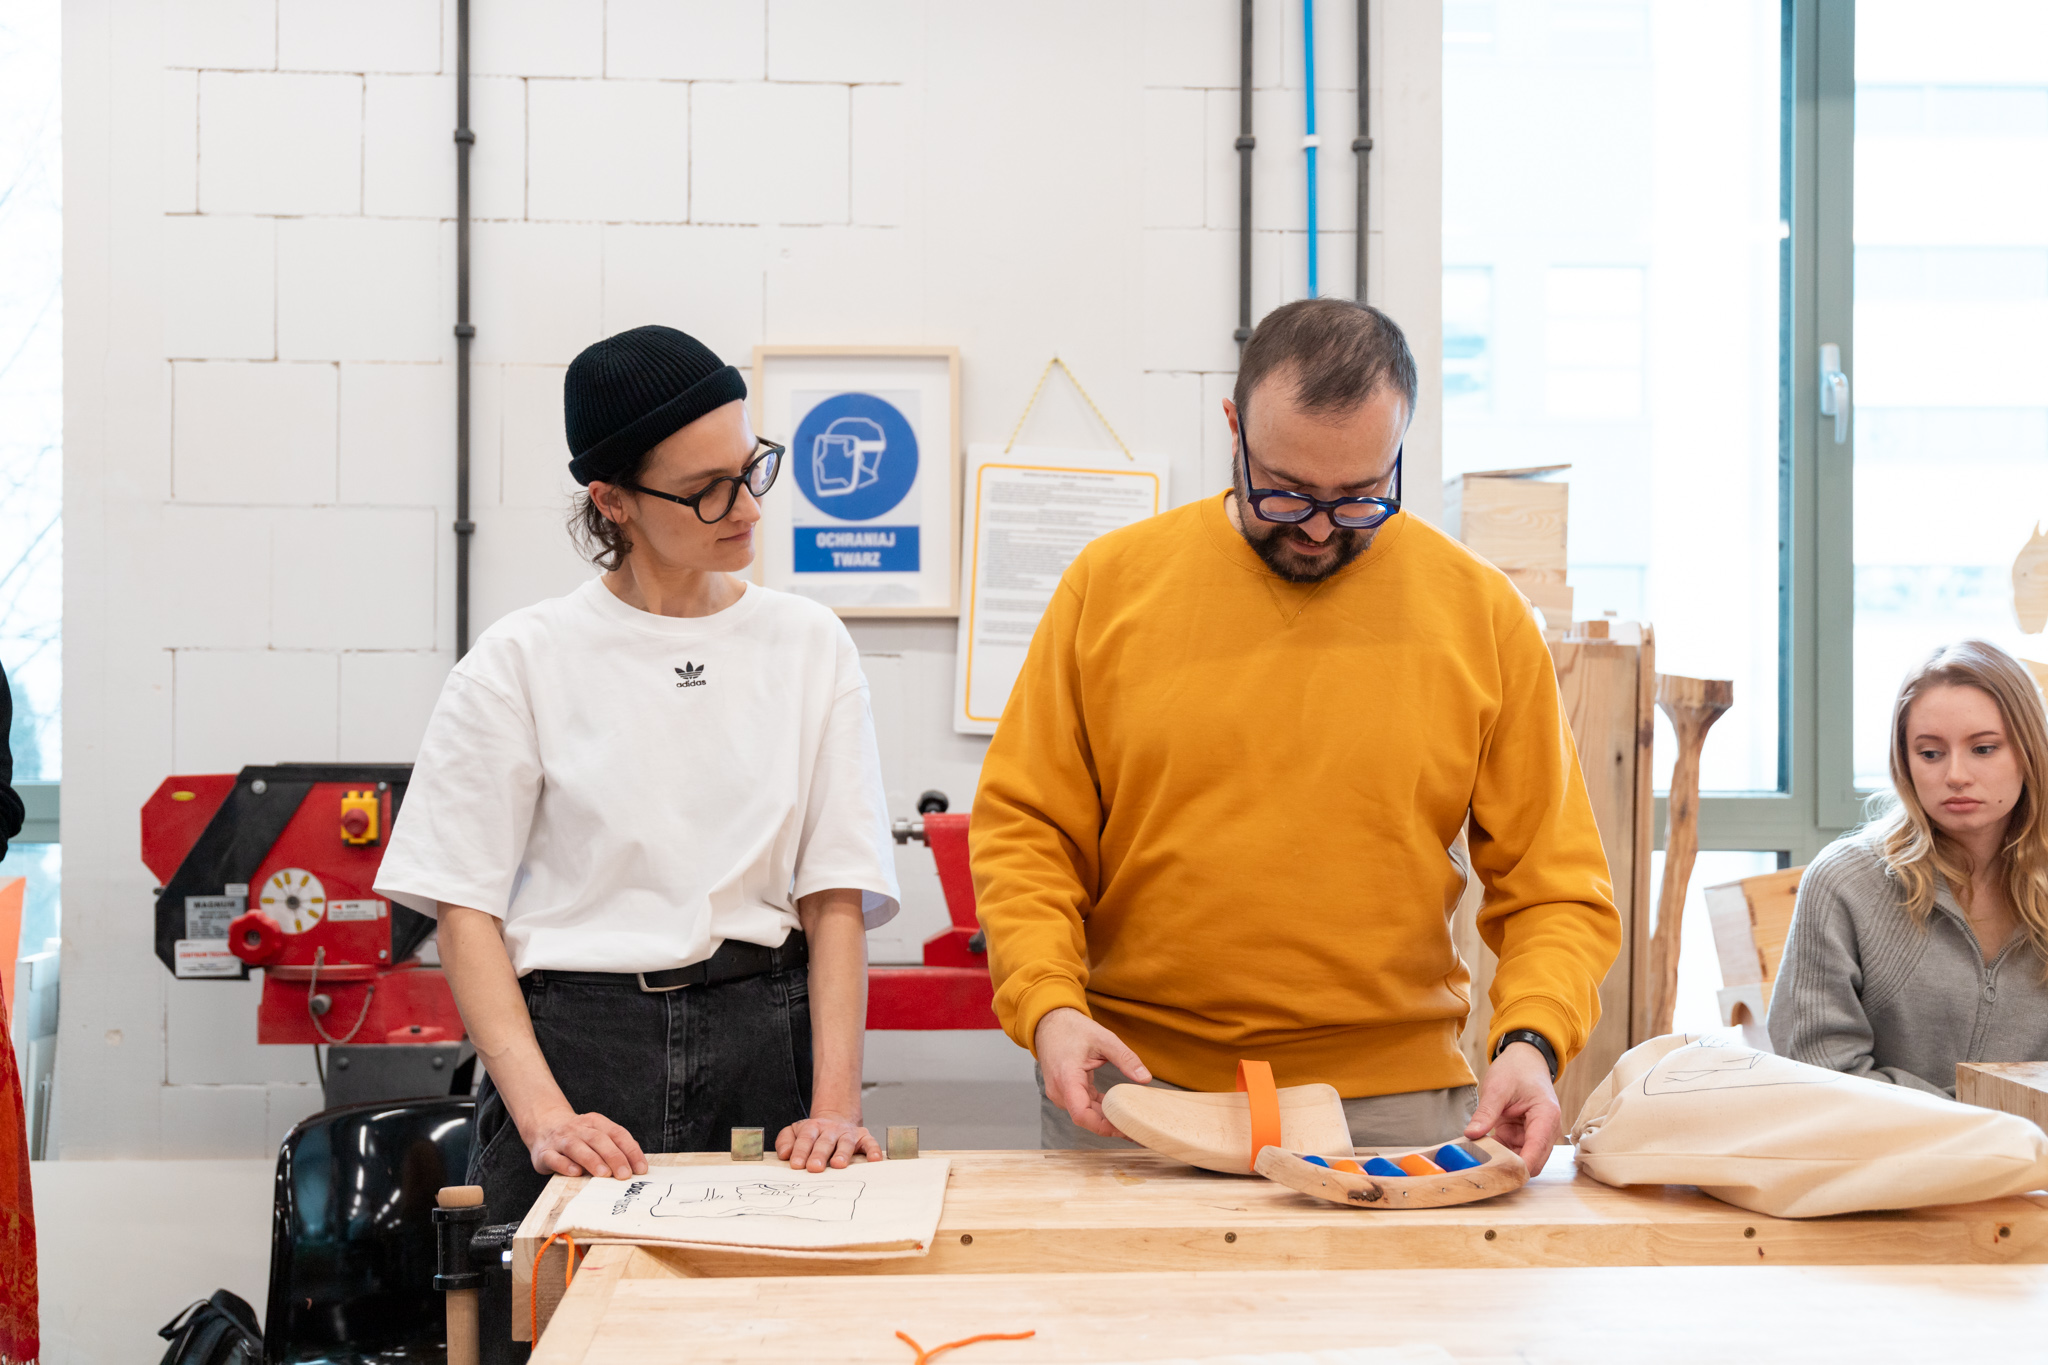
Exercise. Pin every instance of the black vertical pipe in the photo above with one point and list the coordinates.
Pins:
(1245, 143)
(1361, 145)
(464, 333)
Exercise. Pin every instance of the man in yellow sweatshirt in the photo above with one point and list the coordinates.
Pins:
(1215, 821)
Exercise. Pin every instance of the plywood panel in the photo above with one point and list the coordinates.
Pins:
(1872, 1315)
(2014, 1087)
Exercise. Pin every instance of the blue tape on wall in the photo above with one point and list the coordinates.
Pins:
(856, 549)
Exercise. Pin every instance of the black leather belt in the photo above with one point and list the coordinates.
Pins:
(734, 961)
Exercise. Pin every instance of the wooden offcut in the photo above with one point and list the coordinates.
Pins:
(2013, 1087)
(1752, 919)
(1693, 705)
(2030, 583)
(1095, 1212)
(1510, 518)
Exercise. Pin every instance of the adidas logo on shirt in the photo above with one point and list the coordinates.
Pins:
(692, 675)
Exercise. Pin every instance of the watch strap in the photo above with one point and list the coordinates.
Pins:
(1535, 1040)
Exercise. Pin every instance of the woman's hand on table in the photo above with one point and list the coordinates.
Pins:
(1069, 1047)
(1518, 1105)
(826, 1139)
(585, 1144)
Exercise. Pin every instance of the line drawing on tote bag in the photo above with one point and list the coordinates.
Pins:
(817, 1201)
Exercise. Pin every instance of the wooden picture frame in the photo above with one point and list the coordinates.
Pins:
(846, 525)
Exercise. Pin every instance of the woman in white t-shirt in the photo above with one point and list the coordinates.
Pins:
(649, 815)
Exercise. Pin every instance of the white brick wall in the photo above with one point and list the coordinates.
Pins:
(260, 393)
(613, 150)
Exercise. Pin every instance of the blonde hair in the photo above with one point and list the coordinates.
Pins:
(1916, 849)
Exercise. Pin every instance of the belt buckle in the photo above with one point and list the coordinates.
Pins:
(646, 989)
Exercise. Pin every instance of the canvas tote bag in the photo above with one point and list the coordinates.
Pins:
(1792, 1140)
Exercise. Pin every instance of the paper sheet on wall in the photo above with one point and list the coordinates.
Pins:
(871, 1206)
(1028, 512)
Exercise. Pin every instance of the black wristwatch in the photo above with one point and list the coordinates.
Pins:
(1533, 1039)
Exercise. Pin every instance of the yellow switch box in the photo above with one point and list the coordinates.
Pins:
(359, 818)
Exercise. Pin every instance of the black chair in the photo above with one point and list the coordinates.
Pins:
(352, 1242)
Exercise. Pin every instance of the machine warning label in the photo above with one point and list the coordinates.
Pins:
(348, 910)
(208, 916)
(205, 957)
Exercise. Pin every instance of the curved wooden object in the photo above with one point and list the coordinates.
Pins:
(1693, 704)
(1502, 1173)
(1214, 1130)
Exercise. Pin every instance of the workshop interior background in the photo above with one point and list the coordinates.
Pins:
(227, 399)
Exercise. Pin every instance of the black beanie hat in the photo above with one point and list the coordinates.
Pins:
(627, 394)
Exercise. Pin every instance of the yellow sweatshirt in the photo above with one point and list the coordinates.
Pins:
(1216, 812)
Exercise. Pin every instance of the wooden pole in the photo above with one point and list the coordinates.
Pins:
(1693, 704)
(462, 1303)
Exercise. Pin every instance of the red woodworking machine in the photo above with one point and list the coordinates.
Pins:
(951, 990)
(272, 868)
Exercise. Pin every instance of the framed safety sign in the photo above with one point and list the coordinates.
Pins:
(865, 517)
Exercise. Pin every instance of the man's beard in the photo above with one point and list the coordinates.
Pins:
(1272, 541)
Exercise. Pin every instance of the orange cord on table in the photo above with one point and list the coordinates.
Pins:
(935, 1352)
(533, 1285)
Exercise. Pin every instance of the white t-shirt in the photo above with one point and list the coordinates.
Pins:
(627, 791)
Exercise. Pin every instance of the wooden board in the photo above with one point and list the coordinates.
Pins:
(1606, 687)
(1077, 1212)
(627, 1308)
(2014, 1087)
(1510, 523)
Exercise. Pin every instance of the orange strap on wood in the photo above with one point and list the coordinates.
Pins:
(1255, 1082)
(533, 1284)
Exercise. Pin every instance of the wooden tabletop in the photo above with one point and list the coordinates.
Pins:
(1024, 1212)
(626, 1306)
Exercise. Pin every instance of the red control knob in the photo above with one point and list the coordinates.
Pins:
(355, 822)
(255, 938)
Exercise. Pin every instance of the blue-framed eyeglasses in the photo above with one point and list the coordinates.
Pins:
(1286, 505)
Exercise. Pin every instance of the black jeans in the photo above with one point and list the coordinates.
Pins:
(678, 1070)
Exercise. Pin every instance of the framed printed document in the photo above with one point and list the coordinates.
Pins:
(866, 517)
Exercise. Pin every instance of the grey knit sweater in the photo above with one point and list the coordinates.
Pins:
(1864, 989)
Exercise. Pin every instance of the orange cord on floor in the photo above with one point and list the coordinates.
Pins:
(533, 1284)
(924, 1356)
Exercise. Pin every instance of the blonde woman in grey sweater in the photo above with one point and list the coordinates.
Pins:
(1921, 940)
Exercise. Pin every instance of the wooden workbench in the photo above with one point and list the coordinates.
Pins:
(1026, 1212)
(627, 1306)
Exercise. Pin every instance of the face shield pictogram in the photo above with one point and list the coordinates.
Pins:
(847, 457)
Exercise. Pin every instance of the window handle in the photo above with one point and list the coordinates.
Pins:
(1834, 390)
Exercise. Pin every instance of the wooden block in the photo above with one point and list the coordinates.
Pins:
(1513, 523)
(2014, 1087)
(2030, 583)
(1555, 599)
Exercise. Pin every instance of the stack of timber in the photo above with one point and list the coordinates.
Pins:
(1606, 677)
(1516, 520)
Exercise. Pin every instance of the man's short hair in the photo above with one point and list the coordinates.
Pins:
(1337, 352)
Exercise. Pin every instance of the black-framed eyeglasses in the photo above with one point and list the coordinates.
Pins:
(1286, 505)
(713, 502)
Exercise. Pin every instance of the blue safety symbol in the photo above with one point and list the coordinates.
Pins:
(855, 456)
